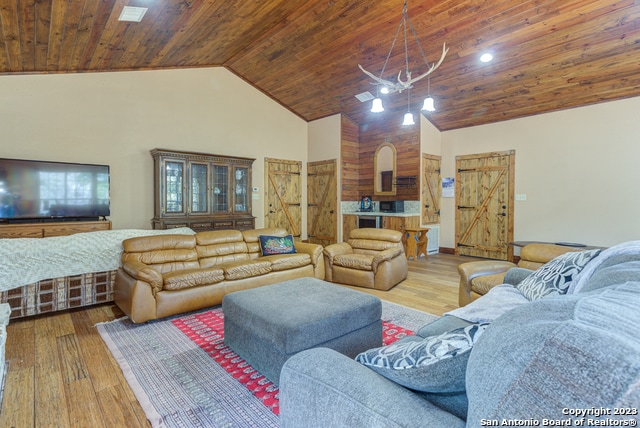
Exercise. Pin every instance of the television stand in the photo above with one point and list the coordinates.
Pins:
(48, 229)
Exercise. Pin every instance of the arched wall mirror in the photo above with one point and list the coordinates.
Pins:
(384, 170)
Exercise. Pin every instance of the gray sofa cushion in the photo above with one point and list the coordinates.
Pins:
(322, 388)
(555, 276)
(514, 276)
(571, 352)
(433, 364)
(441, 325)
(615, 271)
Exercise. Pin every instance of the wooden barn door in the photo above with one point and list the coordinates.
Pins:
(284, 195)
(322, 200)
(431, 189)
(484, 200)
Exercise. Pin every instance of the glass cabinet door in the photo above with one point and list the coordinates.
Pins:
(199, 193)
(220, 188)
(174, 187)
(241, 190)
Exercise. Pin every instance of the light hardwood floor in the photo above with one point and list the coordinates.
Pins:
(61, 373)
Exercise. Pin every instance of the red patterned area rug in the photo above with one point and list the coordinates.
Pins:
(207, 331)
(183, 374)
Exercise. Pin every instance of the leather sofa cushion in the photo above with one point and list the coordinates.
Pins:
(252, 239)
(192, 278)
(354, 261)
(526, 264)
(214, 237)
(482, 284)
(158, 242)
(376, 234)
(206, 262)
(371, 246)
(218, 250)
(165, 253)
(246, 269)
(287, 261)
(220, 246)
(533, 256)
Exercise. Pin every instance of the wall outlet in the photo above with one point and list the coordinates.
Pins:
(521, 197)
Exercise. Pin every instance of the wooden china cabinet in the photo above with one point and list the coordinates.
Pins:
(201, 191)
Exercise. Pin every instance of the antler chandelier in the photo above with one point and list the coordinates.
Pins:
(390, 87)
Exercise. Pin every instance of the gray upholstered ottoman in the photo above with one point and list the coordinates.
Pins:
(267, 325)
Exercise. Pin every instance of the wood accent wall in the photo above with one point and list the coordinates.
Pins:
(406, 140)
(349, 160)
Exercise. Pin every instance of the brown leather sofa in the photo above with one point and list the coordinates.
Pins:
(165, 275)
(477, 278)
(371, 258)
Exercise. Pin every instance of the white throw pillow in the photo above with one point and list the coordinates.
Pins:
(554, 277)
(434, 364)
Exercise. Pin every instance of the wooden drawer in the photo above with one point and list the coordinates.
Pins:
(202, 225)
(223, 224)
(173, 225)
(245, 224)
(19, 232)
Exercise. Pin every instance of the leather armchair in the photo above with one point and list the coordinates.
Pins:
(371, 258)
(477, 278)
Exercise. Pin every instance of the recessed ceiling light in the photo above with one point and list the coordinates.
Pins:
(486, 57)
(132, 14)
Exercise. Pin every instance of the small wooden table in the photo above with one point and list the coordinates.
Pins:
(417, 242)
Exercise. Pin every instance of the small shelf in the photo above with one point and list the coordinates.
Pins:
(406, 181)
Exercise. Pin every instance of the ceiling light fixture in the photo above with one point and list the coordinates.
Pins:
(389, 86)
(429, 103)
(376, 106)
(486, 57)
(408, 116)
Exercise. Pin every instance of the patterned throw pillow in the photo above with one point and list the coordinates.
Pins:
(435, 364)
(276, 245)
(553, 278)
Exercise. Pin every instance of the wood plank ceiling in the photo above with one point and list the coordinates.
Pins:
(549, 54)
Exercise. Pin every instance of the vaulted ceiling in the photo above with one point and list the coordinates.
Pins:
(549, 54)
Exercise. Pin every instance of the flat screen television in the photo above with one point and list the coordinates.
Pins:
(33, 190)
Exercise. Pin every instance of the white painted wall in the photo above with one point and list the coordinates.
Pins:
(116, 118)
(579, 169)
(430, 138)
(325, 136)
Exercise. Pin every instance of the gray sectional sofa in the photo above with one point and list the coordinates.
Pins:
(560, 347)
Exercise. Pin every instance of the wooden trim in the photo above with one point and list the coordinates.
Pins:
(48, 229)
